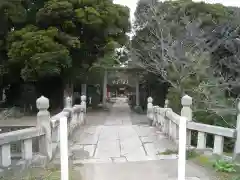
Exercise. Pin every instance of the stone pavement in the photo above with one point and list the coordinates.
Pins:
(112, 146)
(142, 170)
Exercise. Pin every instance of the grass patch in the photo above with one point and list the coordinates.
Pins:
(224, 170)
(40, 174)
(224, 166)
(138, 110)
(168, 152)
(190, 153)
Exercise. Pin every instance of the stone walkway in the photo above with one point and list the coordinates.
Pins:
(117, 140)
(113, 146)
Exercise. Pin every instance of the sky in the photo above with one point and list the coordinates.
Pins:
(132, 4)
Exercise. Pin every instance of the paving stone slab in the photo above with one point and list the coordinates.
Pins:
(148, 139)
(92, 161)
(86, 138)
(119, 160)
(131, 145)
(145, 130)
(109, 133)
(113, 121)
(126, 132)
(76, 147)
(90, 149)
(151, 150)
(107, 149)
(187, 178)
(153, 170)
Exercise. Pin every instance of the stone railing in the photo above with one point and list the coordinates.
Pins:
(16, 146)
(46, 133)
(168, 121)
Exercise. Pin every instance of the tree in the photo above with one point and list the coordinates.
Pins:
(57, 40)
(67, 33)
(143, 13)
(37, 53)
(13, 15)
(176, 46)
(226, 56)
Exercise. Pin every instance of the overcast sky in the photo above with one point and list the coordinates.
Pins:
(133, 3)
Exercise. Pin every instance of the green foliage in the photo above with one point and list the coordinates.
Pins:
(174, 98)
(224, 166)
(168, 152)
(36, 52)
(225, 170)
(138, 110)
(209, 13)
(59, 37)
(203, 160)
(33, 173)
(177, 44)
(194, 48)
(191, 153)
(13, 11)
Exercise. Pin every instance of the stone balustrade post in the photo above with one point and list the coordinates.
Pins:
(155, 116)
(83, 102)
(90, 100)
(236, 155)
(44, 124)
(68, 108)
(150, 113)
(170, 123)
(166, 104)
(166, 123)
(84, 108)
(5, 155)
(68, 102)
(159, 119)
(68, 105)
(187, 113)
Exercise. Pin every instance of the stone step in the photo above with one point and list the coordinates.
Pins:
(123, 159)
(142, 170)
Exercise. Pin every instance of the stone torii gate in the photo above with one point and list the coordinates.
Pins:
(105, 81)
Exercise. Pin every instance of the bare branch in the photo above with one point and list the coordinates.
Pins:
(183, 60)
